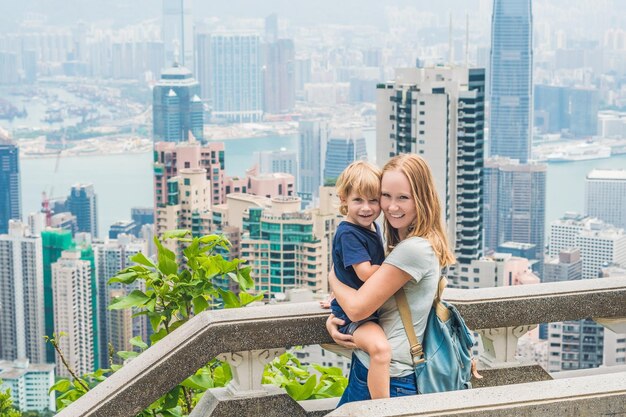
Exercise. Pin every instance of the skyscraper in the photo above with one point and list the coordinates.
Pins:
(341, 151)
(177, 109)
(515, 205)
(21, 295)
(82, 204)
(110, 258)
(313, 135)
(54, 242)
(438, 113)
(284, 161)
(10, 199)
(511, 79)
(279, 76)
(234, 66)
(73, 312)
(177, 32)
(605, 196)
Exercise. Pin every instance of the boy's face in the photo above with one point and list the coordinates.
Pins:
(362, 210)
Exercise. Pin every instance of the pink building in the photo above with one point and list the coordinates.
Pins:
(170, 158)
(266, 185)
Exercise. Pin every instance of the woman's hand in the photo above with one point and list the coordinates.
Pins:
(475, 373)
(345, 340)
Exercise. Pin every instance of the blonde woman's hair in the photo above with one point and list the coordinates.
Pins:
(428, 222)
(359, 177)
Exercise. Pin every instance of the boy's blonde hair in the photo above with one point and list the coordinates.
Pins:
(428, 223)
(359, 177)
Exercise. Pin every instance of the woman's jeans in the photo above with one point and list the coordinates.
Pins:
(357, 384)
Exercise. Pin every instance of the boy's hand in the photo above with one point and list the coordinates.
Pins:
(326, 303)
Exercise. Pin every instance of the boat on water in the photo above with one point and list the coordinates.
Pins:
(582, 152)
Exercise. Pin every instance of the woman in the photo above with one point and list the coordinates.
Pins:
(417, 249)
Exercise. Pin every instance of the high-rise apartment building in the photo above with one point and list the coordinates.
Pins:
(286, 247)
(73, 312)
(21, 295)
(605, 196)
(341, 151)
(177, 110)
(279, 76)
(10, 198)
(111, 257)
(283, 161)
(566, 109)
(54, 242)
(438, 113)
(177, 32)
(599, 243)
(82, 203)
(234, 68)
(313, 136)
(514, 205)
(511, 79)
(29, 384)
(170, 158)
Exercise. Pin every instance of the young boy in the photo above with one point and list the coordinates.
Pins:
(358, 252)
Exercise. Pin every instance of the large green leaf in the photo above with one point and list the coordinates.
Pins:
(175, 234)
(124, 278)
(301, 392)
(135, 299)
(138, 341)
(61, 386)
(246, 298)
(140, 258)
(199, 304)
(199, 382)
(229, 298)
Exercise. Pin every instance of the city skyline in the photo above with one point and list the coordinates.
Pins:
(176, 115)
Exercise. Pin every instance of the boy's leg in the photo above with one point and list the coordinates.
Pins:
(371, 338)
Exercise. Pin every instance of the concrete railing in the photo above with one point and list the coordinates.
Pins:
(252, 336)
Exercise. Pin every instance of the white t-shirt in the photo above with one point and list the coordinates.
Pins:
(416, 257)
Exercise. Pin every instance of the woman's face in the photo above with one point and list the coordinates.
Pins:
(397, 201)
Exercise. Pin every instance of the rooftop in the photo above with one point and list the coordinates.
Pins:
(607, 174)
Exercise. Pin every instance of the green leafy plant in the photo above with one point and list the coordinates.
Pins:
(173, 293)
(6, 404)
(301, 382)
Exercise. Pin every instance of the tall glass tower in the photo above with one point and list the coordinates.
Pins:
(10, 201)
(176, 107)
(511, 79)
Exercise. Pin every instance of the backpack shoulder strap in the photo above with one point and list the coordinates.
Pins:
(417, 352)
(441, 309)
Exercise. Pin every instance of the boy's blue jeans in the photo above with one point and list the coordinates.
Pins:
(357, 384)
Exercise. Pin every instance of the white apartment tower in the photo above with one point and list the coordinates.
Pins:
(438, 113)
(21, 295)
(605, 196)
(111, 257)
(73, 310)
(599, 243)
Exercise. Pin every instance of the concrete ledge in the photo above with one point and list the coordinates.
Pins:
(602, 395)
(179, 355)
(490, 308)
(510, 374)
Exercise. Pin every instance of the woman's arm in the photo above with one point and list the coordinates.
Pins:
(362, 303)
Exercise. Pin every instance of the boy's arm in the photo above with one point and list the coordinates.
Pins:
(364, 270)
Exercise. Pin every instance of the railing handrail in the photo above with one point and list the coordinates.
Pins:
(180, 354)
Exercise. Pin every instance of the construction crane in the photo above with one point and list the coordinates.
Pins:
(46, 198)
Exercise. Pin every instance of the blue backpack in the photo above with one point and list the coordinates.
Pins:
(443, 361)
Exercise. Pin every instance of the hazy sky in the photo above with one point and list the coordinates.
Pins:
(579, 15)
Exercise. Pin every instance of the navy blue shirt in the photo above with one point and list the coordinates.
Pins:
(352, 245)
